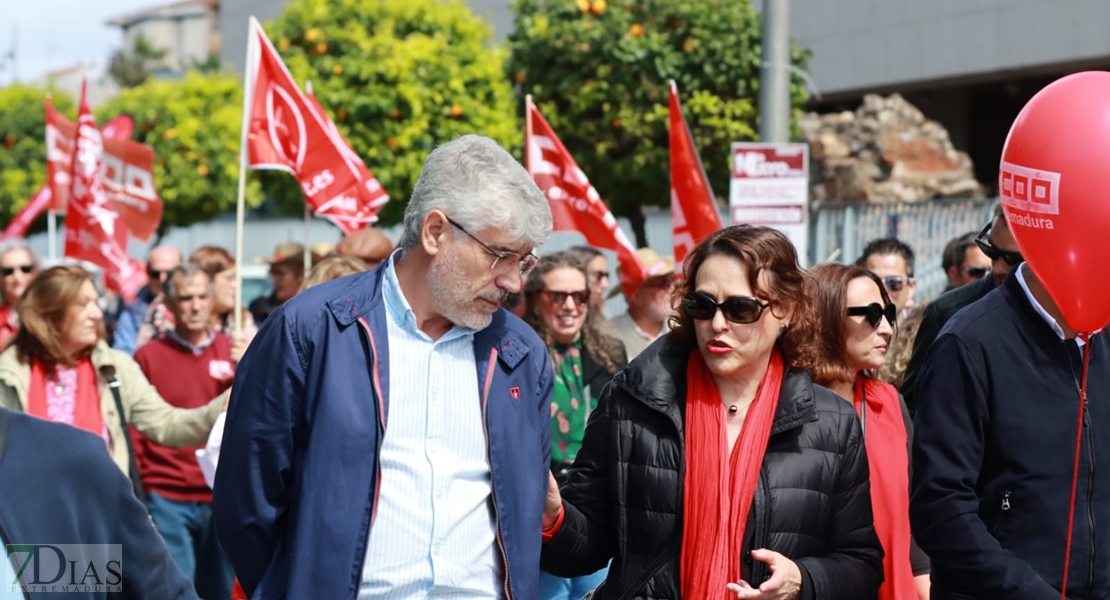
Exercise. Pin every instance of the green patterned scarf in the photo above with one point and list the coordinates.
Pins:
(569, 407)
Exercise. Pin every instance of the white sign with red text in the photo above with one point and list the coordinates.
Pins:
(770, 186)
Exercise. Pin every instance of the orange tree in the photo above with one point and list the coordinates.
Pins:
(398, 77)
(599, 69)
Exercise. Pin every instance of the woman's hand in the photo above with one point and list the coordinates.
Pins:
(553, 504)
(240, 341)
(785, 582)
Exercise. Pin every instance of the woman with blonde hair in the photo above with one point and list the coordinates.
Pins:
(856, 319)
(60, 369)
(332, 267)
(18, 265)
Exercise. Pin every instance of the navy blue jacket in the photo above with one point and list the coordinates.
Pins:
(295, 492)
(994, 449)
(58, 485)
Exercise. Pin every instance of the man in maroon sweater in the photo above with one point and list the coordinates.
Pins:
(188, 366)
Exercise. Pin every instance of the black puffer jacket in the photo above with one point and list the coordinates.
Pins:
(623, 496)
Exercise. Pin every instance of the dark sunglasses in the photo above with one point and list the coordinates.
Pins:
(9, 271)
(156, 274)
(993, 253)
(741, 310)
(580, 297)
(977, 272)
(874, 313)
(895, 284)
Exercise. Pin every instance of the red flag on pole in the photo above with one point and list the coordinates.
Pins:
(289, 133)
(371, 197)
(22, 221)
(575, 204)
(694, 213)
(93, 230)
(127, 171)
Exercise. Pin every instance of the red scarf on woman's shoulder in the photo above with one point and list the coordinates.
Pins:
(79, 407)
(884, 437)
(718, 489)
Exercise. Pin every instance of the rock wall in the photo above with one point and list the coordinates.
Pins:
(885, 151)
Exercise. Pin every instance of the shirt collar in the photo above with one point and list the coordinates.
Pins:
(1059, 331)
(197, 350)
(397, 307)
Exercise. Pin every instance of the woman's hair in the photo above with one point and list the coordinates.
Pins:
(42, 315)
(771, 262)
(19, 244)
(332, 267)
(213, 259)
(605, 349)
(828, 291)
(901, 348)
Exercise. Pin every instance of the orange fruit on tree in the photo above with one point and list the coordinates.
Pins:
(598, 6)
(636, 30)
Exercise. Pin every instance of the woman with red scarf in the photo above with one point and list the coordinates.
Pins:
(855, 319)
(713, 467)
(18, 265)
(59, 368)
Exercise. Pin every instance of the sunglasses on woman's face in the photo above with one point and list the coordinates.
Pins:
(9, 271)
(580, 297)
(874, 313)
(741, 310)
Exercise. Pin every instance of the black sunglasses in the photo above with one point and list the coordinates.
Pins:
(977, 272)
(993, 253)
(156, 274)
(741, 310)
(895, 284)
(874, 313)
(9, 271)
(580, 297)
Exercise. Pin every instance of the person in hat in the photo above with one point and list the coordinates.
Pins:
(648, 308)
(369, 245)
(321, 251)
(286, 275)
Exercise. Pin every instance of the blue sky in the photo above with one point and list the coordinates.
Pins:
(52, 34)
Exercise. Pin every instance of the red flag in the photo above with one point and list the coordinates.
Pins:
(575, 204)
(694, 213)
(22, 221)
(370, 195)
(127, 171)
(289, 133)
(93, 230)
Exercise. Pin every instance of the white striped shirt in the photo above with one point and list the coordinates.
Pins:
(433, 534)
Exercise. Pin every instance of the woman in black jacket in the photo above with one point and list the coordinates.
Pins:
(711, 464)
(583, 359)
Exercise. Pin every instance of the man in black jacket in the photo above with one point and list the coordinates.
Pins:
(998, 244)
(994, 449)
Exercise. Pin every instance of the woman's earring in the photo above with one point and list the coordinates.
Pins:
(782, 329)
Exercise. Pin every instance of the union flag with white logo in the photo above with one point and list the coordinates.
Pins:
(290, 132)
(94, 230)
(693, 210)
(575, 204)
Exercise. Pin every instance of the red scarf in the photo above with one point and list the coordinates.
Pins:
(86, 409)
(885, 441)
(719, 488)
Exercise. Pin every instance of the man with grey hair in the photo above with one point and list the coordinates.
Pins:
(389, 432)
(189, 365)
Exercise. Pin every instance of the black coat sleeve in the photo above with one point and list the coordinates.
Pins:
(854, 566)
(950, 430)
(926, 335)
(586, 540)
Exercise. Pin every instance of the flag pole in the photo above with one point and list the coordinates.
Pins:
(52, 235)
(527, 131)
(240, 204)
(307, 214)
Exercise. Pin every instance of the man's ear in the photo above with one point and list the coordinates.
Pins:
(433, 232)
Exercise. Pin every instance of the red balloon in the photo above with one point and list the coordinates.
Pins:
(1054, 180)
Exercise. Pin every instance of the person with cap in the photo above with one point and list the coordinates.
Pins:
(649, 307)
(286, 275)
(370, 245)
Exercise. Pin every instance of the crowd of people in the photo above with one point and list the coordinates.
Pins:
(455, 416)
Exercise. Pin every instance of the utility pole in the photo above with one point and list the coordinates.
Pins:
(774, 73)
